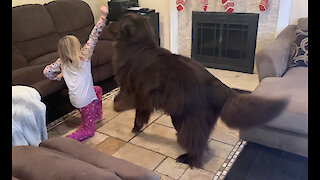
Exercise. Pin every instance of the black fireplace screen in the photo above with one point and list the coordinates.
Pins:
(225, 41)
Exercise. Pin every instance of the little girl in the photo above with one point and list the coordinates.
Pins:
(74, 65)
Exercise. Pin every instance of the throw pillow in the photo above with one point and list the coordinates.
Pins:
(299, 50)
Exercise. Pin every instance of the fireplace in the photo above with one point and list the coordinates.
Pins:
(225, 41)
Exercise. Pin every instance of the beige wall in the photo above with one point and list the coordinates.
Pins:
(94, 4)
(21, 2)
(299, 9)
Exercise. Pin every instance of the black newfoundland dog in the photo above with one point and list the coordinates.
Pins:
(152, 78)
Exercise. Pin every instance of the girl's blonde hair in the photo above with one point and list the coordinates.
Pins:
(69, 49)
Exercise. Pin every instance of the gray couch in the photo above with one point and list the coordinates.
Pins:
(288, 131)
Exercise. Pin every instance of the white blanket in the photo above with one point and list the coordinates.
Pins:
(28, 117)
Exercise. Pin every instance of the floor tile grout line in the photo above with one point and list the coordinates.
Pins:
(164, 175)
(208, 142)
(183, 173)
(160, 163)
(211, 139)
(151, 150)
(228, 161)
(145, 127)
(164, 125)
(127, 142)
(222, 141)
(239, 149)
(166, 156)
(154, 150)
(112, 118)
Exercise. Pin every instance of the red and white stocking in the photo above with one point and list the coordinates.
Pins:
(264, 5)
(204, 4)
(228, 5)
(180, 4)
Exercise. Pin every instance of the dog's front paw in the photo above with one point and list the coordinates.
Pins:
(117, 107)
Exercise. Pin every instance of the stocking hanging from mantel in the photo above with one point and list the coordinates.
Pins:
(228, 5)
(180, 4)
(204, 4)
(264, 5)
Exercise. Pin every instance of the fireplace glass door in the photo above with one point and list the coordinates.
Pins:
(224, 41)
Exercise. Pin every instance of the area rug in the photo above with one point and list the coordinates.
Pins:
(220, 173)
(260, 162)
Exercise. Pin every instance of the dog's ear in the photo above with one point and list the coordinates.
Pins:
(114, 28)
(127, 28)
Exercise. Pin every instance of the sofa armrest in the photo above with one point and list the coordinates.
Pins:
(28, 75)
(82, 152)
(272, 60)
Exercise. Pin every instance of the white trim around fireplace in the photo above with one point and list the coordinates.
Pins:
(173, 27)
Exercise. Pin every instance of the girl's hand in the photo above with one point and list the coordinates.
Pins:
(104, 11)
(60, 76)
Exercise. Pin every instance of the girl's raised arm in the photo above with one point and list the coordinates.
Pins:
(88, 48)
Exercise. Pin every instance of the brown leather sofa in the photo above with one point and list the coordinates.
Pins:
(36, 30)
(65, 158)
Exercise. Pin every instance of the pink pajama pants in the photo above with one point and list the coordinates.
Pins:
(93, 111)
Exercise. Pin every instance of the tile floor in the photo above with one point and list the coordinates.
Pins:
(155, 148)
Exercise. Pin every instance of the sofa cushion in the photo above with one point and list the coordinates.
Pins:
(71, 17)
(30, 21)
(82, 34)
(33, 33)
(45, 59)
(35, 48)
(294, 86)
(102, 53)
(299, 49)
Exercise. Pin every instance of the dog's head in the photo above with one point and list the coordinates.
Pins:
(132, 28)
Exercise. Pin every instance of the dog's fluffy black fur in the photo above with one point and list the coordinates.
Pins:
(152, 78)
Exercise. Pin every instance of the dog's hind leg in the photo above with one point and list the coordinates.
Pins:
(142, 117)
(176, 121)
(193, 136)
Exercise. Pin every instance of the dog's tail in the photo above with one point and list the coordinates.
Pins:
(247, 110)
